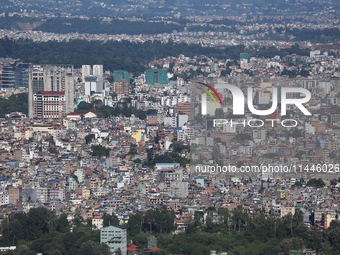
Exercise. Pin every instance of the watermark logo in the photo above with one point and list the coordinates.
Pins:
(239, 100)
(204, 97)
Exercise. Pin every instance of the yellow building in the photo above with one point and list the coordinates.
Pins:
(139, 135)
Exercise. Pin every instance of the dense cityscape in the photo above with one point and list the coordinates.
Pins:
(122, 129)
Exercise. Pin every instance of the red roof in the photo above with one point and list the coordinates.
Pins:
(151, 249)
(51, 93)
(75, 113)
(132, 247)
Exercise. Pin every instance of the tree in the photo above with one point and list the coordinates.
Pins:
(317, 183)
(110, 220)
(179, 147)
(134, 225)
(99, 150)
(92, 248)
(63, 225)
(85, 106)
(133, 149)
(118, 252)
(89, 138)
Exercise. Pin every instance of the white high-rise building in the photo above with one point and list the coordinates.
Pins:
(93, 84)
(85, 71)
(98, 70)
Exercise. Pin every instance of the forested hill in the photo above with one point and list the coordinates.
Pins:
(96, 26)
(124, 55)
(114, 55)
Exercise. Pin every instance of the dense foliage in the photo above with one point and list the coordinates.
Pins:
(99, 150)
(169, 157)
(15, 103)
(237, 232)
(96, 26)
(40, 230)
(123, 55)
(317, 183)
(156, 221)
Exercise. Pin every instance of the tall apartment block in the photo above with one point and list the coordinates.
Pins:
(15, 75)
(50, 91)
(93, 84)
(85, 71)
(121, 75)
(156, 76)
(96, 70)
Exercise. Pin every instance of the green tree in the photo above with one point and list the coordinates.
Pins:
(110, 220)
(133, 149)
(99, 150)
(89, 138)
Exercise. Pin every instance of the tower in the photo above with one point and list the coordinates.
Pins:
(85, 71)
(98, 70)
(50, 78)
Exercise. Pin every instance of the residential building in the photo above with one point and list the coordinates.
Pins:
(115, 238)
(93, 84)
(49, 105)
(156, 76)
(121, 75)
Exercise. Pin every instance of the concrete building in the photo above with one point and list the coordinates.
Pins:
(93, 84)
(48, 105)
(121, 87)
(13, 194)
(121, 75)
(98, 70)
(85, 71)
(52, 79)
(97, 222)
(156, 76)
(15, 75)
(115, 238)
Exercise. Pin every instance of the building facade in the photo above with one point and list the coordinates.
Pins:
(156, 76)
(49, 105)
(15, 75)
(121, 75)
(49, 78)
(115, 238)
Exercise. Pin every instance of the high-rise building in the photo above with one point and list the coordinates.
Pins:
(8, 77)
(85, 71)
(156, 76)
(21, 75)
(15, 75)
(121, 87)
(93, 84)
(97, 70)
(121, 75)
(49, 105)
(50, 78)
